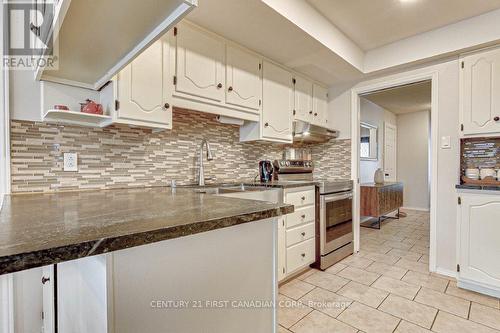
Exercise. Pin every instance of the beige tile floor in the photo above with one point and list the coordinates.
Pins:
(386, 287)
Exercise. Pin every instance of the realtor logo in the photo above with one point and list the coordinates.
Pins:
(28, 26)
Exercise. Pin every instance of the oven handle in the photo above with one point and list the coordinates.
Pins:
(337, 197)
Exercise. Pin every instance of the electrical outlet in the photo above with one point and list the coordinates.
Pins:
(70, 162)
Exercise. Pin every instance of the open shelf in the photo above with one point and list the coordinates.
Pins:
(77, 118)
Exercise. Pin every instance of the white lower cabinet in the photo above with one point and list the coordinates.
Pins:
(299, 232)
(177, 285)
(478, 239)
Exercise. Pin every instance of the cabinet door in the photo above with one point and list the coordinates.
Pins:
(143, 89)
(303, 99)
(277, 107)
(243, 80)
(480, 97)
(281, 248)
(479, 240)
(320, 106)
(199, 63)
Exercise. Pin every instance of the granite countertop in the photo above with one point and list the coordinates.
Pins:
(478, 187)
(42, 229)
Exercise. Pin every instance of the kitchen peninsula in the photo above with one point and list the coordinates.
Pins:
(139, 246)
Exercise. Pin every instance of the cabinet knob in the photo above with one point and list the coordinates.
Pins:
(266, 124)
(230, 89)
(166, 106)
(219, 85)
(497, 118)
(303, 234)
(303, 216)
(303, 255)
(315, 114)
(310, 112)
(45, 280)
(303, 198)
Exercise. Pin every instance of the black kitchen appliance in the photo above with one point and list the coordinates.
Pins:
(266, 171)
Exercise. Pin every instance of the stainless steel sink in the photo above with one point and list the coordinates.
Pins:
(230, 188)
(243, 191)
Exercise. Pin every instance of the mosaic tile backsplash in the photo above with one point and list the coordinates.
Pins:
(120, 156)
(480, 153)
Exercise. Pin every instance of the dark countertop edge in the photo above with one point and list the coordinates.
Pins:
(478, 187)
(23, 261)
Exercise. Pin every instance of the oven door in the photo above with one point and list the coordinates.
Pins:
(335, 221)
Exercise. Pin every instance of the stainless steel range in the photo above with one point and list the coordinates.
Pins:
(334, 234)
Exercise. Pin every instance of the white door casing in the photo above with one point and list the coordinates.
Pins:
(478, 245)
(243, 78)
(390, 152)
(143, 89)
(199, 63)
(303, 107)
(277, 97)
(480, 93)
(385, 83)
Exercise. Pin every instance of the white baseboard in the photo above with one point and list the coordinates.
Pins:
(416, 208)
(479, 287)
(446, 272)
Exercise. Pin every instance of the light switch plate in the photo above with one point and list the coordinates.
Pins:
(70, 162)
(445, 142)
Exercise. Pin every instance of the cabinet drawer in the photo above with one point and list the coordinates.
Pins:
(299, 234)
(300, 199)
(301, 216)
(300, 255)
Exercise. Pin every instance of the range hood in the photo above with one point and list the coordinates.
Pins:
(97, 38)
(304, 132)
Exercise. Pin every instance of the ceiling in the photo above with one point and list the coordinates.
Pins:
(256, 26)
(405, 99)
(374, 23)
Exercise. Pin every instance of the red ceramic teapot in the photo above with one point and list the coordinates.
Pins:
(91, 107)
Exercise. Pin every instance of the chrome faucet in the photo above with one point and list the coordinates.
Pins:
(201, 178)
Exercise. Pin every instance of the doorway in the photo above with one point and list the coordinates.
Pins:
(388, 160)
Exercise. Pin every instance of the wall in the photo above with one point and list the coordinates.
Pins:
(374, 115)
(447, 159)
(413, 158)
(121, 156)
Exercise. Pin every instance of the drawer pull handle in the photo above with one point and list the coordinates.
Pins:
(303, 198)
(303, 216)
(303, 255)
(45, 280)
(303, 234)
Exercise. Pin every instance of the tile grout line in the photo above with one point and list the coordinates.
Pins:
(434, 320)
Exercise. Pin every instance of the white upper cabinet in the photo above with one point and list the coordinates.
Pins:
(303, 93)
(243, 78)
(96, 39)
(277, 108)
(143, 89)
(478, 242)
(480, 93)
(199, 67)
(320, 106)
